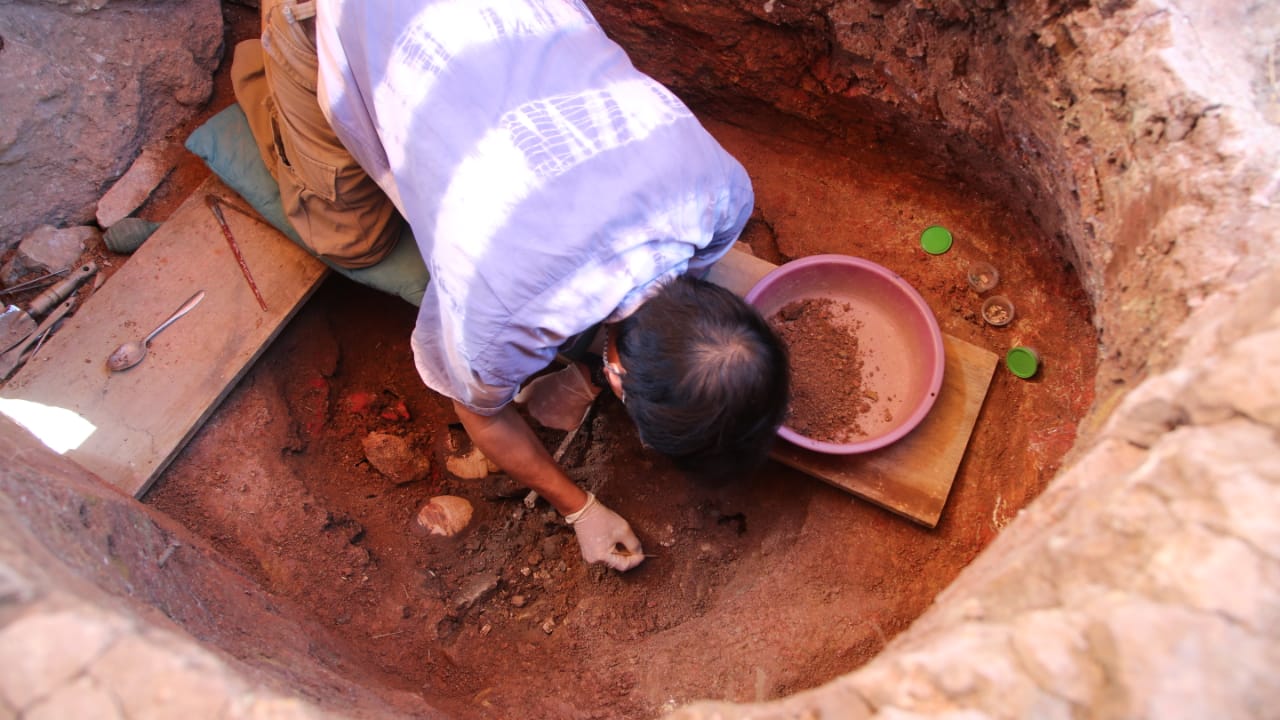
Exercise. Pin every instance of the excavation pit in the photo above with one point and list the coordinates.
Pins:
(754, 591)
(275, 544)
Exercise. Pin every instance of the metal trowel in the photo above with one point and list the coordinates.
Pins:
(17, 324)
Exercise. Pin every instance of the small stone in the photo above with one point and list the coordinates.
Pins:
(518, 601)
(475, 589)
(395, 458)
(550, 546)
(549, 625)
(359, 402)
(472, 465)
(485, 629)
(446, 515)
(135, 186)
(48, 249)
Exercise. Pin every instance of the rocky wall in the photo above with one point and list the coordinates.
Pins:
(97, 619)
(87, 84)
(1128, 130)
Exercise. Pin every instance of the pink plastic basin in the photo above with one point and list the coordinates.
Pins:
(898, 336)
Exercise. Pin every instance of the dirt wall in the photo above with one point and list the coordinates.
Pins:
(1108, 122)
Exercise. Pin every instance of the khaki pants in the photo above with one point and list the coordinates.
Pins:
(340, 212)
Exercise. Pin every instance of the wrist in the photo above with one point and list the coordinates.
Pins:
(581, 512)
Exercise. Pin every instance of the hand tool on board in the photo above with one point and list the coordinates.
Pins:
(45, 279)
(17, 325)
(14, 356)
(134, 351)
(213, 202)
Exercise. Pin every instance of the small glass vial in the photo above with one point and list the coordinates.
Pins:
(982, 276)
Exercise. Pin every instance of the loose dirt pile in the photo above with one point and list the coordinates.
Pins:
(828, 397)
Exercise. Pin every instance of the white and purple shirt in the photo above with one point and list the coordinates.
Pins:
(549, 184)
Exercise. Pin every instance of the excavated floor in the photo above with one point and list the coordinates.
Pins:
(755, 590)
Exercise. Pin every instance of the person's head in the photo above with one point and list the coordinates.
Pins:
(704, 376)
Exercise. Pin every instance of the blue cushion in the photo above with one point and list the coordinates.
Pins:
(226, 145)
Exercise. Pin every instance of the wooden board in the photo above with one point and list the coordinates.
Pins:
(139, 419)
(913, 476)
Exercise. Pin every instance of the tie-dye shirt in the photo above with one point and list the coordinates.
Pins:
(550, 185)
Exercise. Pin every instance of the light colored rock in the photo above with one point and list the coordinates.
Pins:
(1246, 382)
(41, 651)
(272, 708)
(136, 185)
(48, 249)
(80, 699)
(445, 515)
(1157, 656)
(395, 458)
(1056, 655)
(157, 681)
(471, 465)
(87, 87)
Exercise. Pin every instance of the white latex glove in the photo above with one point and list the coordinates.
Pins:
(560, 399)
(600, 531)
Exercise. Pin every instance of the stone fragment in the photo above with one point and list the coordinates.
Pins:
(395, 458)
(41, 651)
(475, 589)
(81, 699)
(445, 515)
(135, 186)
(472, 465)
(47, 249)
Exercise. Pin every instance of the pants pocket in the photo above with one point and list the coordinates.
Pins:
(310, 174)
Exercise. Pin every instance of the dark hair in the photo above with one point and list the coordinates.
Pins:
(706, 378)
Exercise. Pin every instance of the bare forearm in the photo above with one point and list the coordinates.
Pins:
(507, 440)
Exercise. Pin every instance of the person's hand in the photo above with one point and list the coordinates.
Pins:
(604, 536)
(560, 399)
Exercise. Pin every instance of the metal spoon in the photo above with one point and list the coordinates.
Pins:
(132, 352)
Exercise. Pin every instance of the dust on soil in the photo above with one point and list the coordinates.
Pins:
(753, 591)
(827, 395)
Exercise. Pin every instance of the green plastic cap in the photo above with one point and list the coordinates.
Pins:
(935, 240)
(1022, 361)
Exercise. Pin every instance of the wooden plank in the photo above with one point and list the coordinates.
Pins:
(138, 420)
(911, 477)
